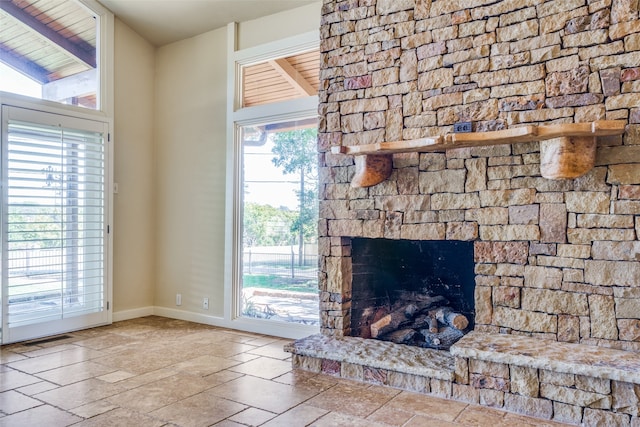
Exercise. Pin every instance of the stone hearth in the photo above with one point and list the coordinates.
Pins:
(556, 262)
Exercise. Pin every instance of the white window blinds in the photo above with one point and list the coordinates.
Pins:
(54, 222)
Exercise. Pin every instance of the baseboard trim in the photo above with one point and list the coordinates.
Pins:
(265, 327)
(189, 316)
(119, 316)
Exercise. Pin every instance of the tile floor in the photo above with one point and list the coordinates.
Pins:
(155, 371)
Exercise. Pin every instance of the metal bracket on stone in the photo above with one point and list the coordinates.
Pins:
(567, 150)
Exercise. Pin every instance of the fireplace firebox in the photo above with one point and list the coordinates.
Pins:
(400, 286)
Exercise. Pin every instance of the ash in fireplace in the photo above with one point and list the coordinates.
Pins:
(421, 320)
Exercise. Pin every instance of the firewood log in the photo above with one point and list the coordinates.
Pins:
(417, 296)
(433, 323)
(426, 304)
(420, 298)
(447, 316)
(393, 320)
(419, 322)
(441, 340)
(401, 336)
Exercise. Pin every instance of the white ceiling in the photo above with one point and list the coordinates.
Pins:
(166, 21)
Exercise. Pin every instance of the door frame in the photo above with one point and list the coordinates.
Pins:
(37, 107)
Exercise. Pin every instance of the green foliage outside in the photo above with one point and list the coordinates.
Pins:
(296, 153)
(265, 225)
(35, 227)
(278, 282)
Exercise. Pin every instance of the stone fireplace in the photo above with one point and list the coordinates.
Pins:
(556, 262)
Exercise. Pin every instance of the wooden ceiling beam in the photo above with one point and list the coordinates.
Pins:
(292, 76)
(23, 65)
(82, 51)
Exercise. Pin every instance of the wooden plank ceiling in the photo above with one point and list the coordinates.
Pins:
(281, 79)
(47, 40)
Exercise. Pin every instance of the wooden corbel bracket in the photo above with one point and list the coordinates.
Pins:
(567, 150)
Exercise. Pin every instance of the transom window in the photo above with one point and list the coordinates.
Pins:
(49, 50)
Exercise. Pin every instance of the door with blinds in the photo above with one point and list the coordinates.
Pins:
(54, 229)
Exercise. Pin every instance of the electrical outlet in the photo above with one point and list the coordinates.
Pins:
(463, 127)
(178, 299)
(205, 303)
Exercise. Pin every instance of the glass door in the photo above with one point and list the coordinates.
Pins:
(279, 217)
(54, 229)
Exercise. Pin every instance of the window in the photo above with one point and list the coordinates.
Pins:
(273, 285)
(55, 50)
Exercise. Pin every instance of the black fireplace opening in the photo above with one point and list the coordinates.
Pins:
(416, 292)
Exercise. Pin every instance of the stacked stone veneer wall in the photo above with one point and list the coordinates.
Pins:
(555, 259)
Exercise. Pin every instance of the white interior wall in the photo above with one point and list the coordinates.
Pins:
(170, 166)
(191, 141)
(134, 211)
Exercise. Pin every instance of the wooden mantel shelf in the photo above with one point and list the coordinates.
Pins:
(567, 150)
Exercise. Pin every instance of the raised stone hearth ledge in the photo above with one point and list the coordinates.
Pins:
(579, 359)
(377, 354)
(571, 383)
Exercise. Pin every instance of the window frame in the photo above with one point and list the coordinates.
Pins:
(237, 117)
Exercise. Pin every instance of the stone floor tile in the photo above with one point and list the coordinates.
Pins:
(262, 340)
(7, 356)
(307, 380)
(244, 357)
(274, 350)
(78, 394)
(12, 402)
(252, 417)
(205, 365)
(38, 351)
(390, 416)
(55, 360)
(155, 395)
(40, 416)
(424, 421)
(105, 341)
(336, 419)
(121, 417)
(300, 415)
(228, 423)
(526, 421)
(262, 394)
(221, 377)
(35, 388)
(12, 379)
(353, 398)
(73, 373)
(428, 406)
(228, 349)
(263, 367)
(200, 410)
(140, 360)
(480, 415)
(116, 376)
(92, 409)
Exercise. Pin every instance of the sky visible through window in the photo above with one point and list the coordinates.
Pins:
(15, 82)
(265, 183)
